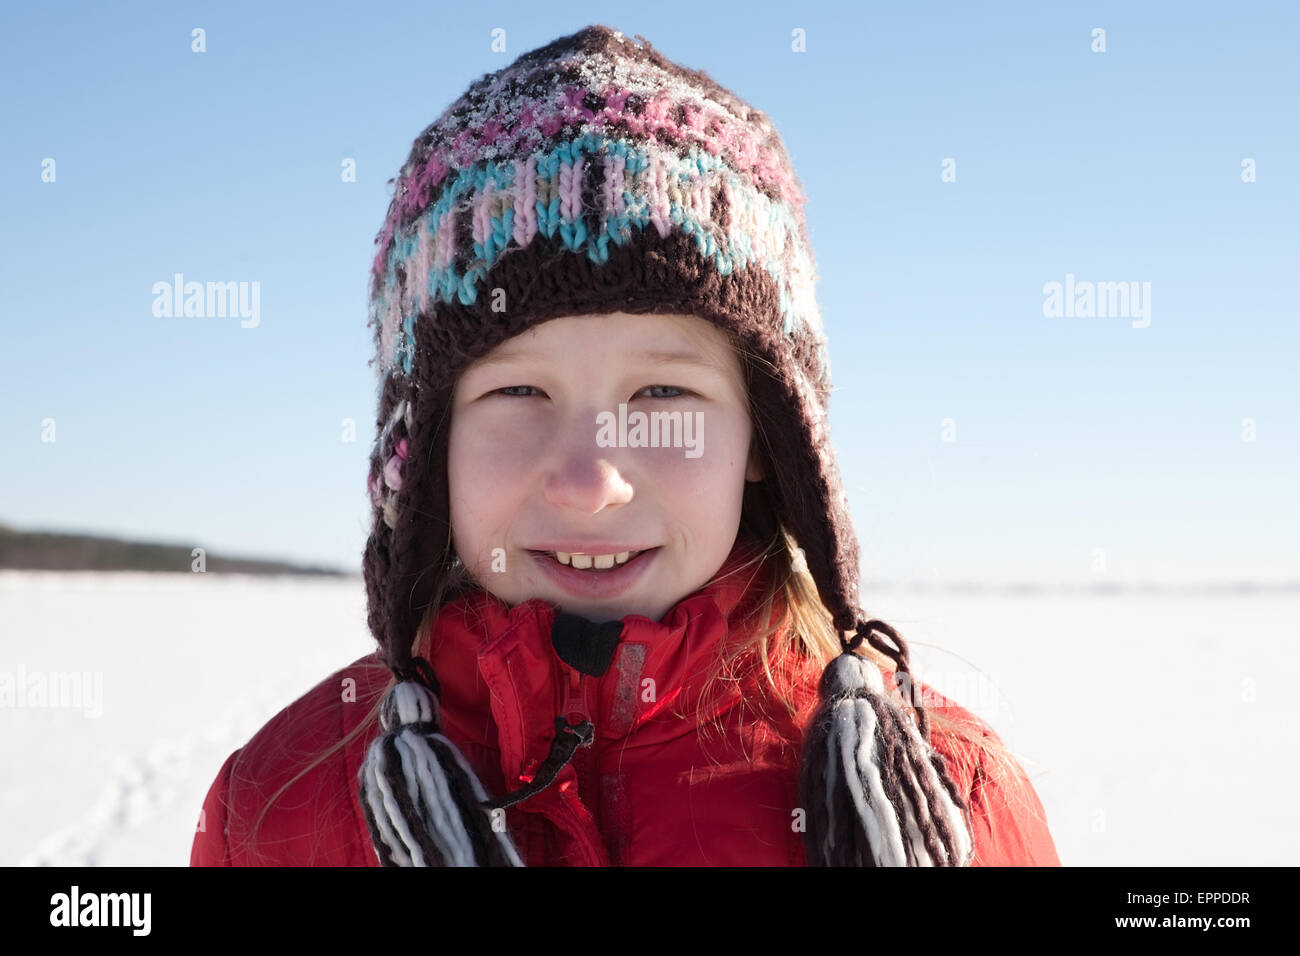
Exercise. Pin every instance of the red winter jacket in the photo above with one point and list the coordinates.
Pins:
(652, 789)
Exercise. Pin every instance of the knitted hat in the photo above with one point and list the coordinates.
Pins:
(593, 175)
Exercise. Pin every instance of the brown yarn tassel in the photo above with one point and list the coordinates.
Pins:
(876, 794)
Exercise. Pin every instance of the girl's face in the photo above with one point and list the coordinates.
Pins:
(540, 460)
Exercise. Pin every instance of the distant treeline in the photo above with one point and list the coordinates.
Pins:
(48, 551)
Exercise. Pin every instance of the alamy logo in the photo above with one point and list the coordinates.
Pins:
(55, 689)
(102, 909)
(1102, 299)
(213, 300)
(655, 430)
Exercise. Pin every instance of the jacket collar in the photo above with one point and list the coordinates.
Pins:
(490, 657)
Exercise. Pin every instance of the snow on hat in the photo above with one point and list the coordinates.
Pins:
(593, 175)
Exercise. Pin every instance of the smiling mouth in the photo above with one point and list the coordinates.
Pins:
(596, 564)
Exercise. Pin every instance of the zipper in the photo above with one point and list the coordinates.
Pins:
(576, 711)
(575, 700)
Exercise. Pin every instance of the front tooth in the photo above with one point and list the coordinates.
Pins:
(601, 562)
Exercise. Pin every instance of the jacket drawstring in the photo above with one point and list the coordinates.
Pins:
(568, 738)
(588, 648)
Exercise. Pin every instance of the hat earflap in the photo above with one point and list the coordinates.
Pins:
(422, 801)
(875, 792)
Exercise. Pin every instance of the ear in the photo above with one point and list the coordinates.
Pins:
(754, 468)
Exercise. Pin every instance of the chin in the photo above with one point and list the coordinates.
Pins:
(599, 613)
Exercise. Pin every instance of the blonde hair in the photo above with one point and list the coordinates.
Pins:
(790, 640)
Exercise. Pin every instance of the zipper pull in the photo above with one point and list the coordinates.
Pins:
(576, 711)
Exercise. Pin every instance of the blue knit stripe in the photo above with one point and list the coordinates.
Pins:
(752, 215)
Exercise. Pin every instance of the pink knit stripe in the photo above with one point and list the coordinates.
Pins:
(700, 200)
(612, 185)
(445, 243)
(525, 192)
(483, 212)
(571, 189)
(574, 111)
(701, 125)
(423, 257)
(389, 319)
(379, 264)
(657, 201)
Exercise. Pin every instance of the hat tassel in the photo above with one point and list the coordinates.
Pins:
(422, 801)
(876, 794)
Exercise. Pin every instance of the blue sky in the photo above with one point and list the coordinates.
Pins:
(1072, 433)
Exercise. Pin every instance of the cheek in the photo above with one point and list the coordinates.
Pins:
(488, 457)
(705, 485)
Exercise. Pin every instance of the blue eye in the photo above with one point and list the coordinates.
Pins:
(514, 391)
(670, 387)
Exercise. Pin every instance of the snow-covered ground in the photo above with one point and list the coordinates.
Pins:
(192, 666)
(1156, 728)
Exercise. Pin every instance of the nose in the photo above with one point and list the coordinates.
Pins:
(585, 476)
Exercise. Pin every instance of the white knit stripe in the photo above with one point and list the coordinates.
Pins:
(367, 799)
(922, 814)
(398, 821)
(507, 845)
(850, 670)
(832, 774)
(957, 821)
(890, 852)
(853, 670)
(445, 826)
(831, 777)
(871, 675)
(845, 746)
(373, 769)
(460, 759)
(444, 819)
(412, 703)
(423, 794)
(399, 411)
(840, 743)
(949, 810)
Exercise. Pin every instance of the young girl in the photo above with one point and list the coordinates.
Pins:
(612, 575)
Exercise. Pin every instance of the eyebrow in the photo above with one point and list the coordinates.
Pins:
(649, 356)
